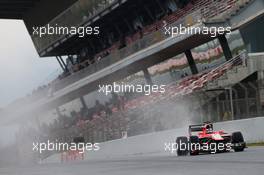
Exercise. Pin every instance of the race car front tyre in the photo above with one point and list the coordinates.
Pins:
(238, 142)
(194, 145)
(182, 146)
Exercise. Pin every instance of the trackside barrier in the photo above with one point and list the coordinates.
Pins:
(154, 143)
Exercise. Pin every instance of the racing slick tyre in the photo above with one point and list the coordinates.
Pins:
(238, 142)
(194, 145)
(182, 146)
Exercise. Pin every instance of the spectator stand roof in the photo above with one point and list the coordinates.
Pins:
(15, 9)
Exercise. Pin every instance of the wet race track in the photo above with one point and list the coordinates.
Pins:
(249, 162)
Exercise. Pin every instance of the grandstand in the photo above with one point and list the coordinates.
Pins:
(207, 78)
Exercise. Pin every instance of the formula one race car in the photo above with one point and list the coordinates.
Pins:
(206, 140)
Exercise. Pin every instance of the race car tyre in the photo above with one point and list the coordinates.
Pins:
(182, 146)
(238, 142)
(194, 145)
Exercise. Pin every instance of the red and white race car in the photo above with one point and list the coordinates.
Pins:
(203, 139)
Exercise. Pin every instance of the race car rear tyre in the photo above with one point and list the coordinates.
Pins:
(182, 146)
(237, 138)
(194, 142)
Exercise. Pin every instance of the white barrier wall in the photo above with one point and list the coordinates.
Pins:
(137, 145)
(252, 129)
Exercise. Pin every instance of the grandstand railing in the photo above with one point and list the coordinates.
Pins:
(214, 74)
(217, 7)
(228, 7)
(189, 84)
(199, 81)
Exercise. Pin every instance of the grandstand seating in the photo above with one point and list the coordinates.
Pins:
(207, 8)
(187, 85)
(204, 7)
(101, 126)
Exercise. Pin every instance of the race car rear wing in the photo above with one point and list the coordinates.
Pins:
(200, 127)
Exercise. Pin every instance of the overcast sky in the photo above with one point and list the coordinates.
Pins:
(21, 69)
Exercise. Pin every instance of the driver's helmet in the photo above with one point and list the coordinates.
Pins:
(208, 126)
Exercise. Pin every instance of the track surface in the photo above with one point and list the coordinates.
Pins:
(250, 162)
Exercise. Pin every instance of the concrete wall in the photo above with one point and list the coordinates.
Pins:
(256, 62)
(154, 143)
